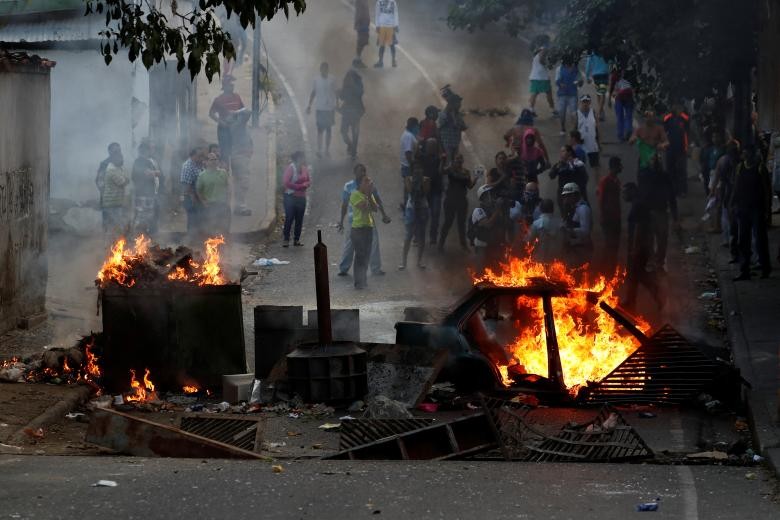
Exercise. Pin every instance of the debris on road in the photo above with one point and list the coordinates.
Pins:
(277, 468)
(712, 455)
(382, 407)
(105, 483)
(268, 262)
(647, 506)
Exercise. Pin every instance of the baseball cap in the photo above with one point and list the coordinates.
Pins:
(585, 97)
(569, 188)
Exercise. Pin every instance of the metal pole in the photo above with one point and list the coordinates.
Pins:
(256, 74)
(323, 291)
(554, 370)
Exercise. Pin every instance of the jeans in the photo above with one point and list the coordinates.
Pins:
(194, 216)
(661, 235)
(434, 203)
(752, 221)
(455, 211)
(350, 132)
(624, 115)
(294, 208)
(362, 238)
(225, 140)
(677, 166)
(348, 254)
(567, 105)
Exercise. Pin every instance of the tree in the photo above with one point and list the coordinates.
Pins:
(192, 35)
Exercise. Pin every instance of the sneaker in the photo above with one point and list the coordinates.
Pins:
(742, 277)
(342, 273)
(297, 244)
(420, 265)
(242, 211)
(402, 267)
(378, 273)
(286, 243)
(378, 65)
(395, 63)
(358, 64)
(562, 133)
(555, 113)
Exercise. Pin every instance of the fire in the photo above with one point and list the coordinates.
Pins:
(141, 393)
(207, 273)
(591, 343)
(92, 369)
(190, 389)
(120, 263)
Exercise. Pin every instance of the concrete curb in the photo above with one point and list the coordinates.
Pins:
(765, 434)
(54, 413)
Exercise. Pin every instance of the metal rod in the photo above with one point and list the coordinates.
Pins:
(323, 291)
(554, 369)
(625, 321)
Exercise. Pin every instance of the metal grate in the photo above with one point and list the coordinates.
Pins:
(666, 369)
(243, 432)
(356, 432)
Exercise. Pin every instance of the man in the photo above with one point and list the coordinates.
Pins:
(640, 245)
(608, 193)
(386, 21)
(221, 111)
(530, 203)
(676, 125)
(451, 124)
(362, 26)
(114, 154)
(650, 139)
(539, 80)
(146, 183)
(408, 151)
(456, 202)
(189, 197)
(416, 211)
(657, 191)
(433, 167)
(567, 80)
(569, 169)
(352, 110)
(751, 202)
(623, 92)
(113, 202)
(212, 189)
(324, 92)
(240, 160)
(348, 253)
(543, 233)
(588, 127)
(721, 189)
(597, 72)
(490, 224)
(578, 223)
(363, 206)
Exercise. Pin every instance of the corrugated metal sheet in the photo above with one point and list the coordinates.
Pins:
(52, 29)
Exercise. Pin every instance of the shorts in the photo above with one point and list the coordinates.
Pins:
(601, 81)
(362, 37)
(385, 36)
(325, 119)
(593, 159)
(415, 221)
(540, 86)
(567, 104)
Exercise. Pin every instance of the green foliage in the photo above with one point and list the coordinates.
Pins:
(194, 38)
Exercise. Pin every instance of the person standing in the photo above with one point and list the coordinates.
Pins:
(408, 153)
(456, 203)
(490, 223)
(650, 139)
(568, 79)
(221, 112)
(750, 202)
(213, 192)
(324, 93)
(597, 71)
(115, 181)
(428, 128)
(543, 233)
(610, 215)
(189, 197)
(567, 170)
(240, 160)
(352, 110)
(386, 21)
(657, 190)
(539, 79)
(362, 28)
(640, 249)
(676, 125)
(578, 222)
(433, 167)
(363, 206)
(623, 92)
(451, 124)
(146, 183)
(416, 212)
(588, 127)
(532, 157)
(114, 152)
(297, 180)
(348, 253)
(721, 189)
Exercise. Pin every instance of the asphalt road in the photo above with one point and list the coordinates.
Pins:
(61, 487)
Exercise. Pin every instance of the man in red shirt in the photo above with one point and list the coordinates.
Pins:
(222, 109)
(608, 193)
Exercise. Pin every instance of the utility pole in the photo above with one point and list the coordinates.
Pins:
(256, 74)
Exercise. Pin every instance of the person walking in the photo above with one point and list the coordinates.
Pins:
(657, 190)
(296, 179)
(348, 253)
(115, 181)
(408, 153)
(352, 110)
(532, 157)
(721, 190)
(433, 167)
(623, 93)
(213, 191)
(567, 79)
(451, 124)
(539, 80)
(750, 202)
(324, 93)
(597, 72)
(362, 29)
(456, 205)
(363, 206)
(221, 112)
(640, 249)
(189, 196)
(146, 183)
(514, 136)
(240, 160)
(418, 187)
(386, 21)
(588, 127)
(610, 216)
(677, 125)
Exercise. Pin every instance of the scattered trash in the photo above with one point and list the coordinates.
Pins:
(357, 406)
(318, 446)
(255, 394)
(712, 405)
(741, 425)
(751, 476)
(224, 406)
(382, 407)
(346, 418)
(35, 434)
(7, 449)
(428, 407)
(329, 426)
(647, 506)
(527, 399)
(293, 415)
(708, 295)
(118, 400)
(105, 483)
(266, 262)
(692, 250)
(276, 468)
(293, 434)
(74, 415)
(758, 458)
(712, 455)
(272, 445)
(647, 415)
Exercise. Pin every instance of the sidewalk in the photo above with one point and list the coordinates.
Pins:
(752, 311)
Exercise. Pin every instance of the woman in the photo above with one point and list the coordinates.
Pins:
(212, 188)
(297, 180)
(514, 136)
(363, 206)
(418, 187)
(352, 110)
(532, 156)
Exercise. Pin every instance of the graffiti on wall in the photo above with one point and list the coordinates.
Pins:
(17, 195)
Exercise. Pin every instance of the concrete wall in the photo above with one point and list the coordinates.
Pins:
(24, 194)
(769, 67)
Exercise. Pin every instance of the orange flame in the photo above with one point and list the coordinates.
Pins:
(118, 266)
(65, 367)
(590, 342)
(92, 368)
(141, 393)
(190, 389)
(208, 273)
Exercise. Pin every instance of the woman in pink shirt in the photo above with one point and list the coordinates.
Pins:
(296, 181)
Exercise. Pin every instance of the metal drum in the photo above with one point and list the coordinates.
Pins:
(328, 373)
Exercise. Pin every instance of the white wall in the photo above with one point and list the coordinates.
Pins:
(90, 108)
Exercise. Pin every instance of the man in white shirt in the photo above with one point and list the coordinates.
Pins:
(578, 225)
(408, 151)
(386, 21)
(544, 232)
(540, 81)
(323, 96)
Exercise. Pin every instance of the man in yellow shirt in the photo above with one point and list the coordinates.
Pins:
(363, 205)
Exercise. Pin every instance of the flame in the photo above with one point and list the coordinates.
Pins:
(140, 393)
(190, 389)
(207, 273)
(65, 367)
(119, 264)
(590, 342)
(92, 368)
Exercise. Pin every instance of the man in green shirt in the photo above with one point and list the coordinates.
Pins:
(363, 205)
(212, 189)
